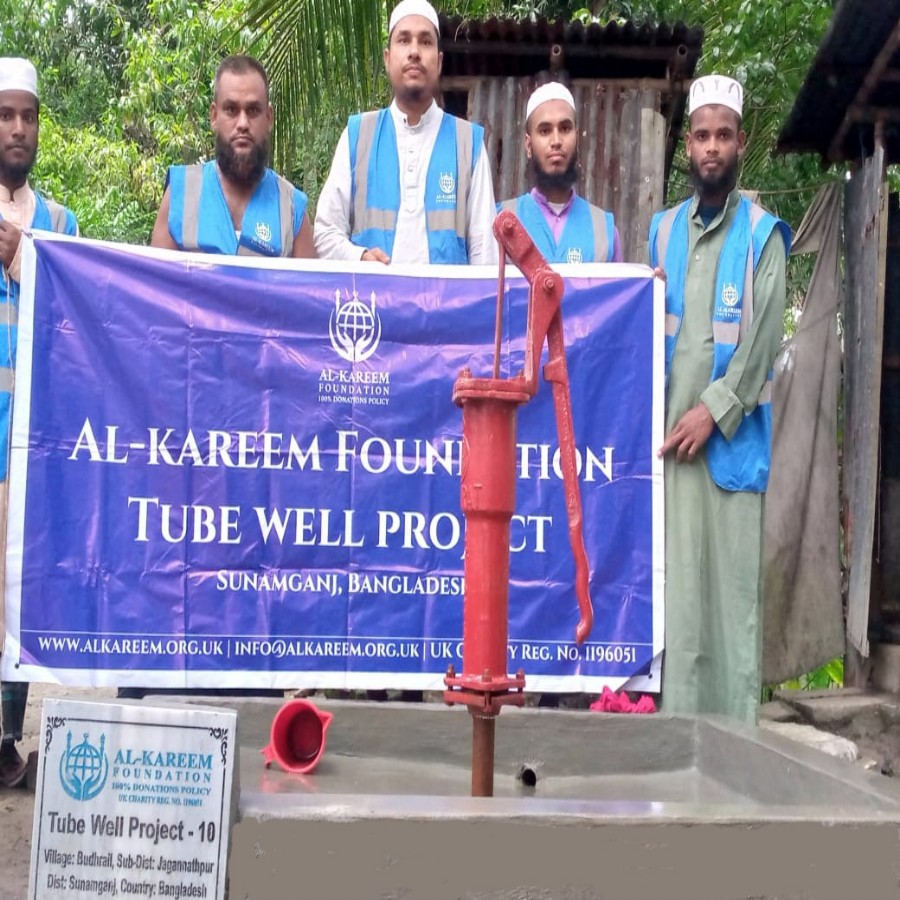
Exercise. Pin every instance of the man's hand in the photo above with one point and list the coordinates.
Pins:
(10, 236)
(659, 272)
(375, 254)
(690, 433)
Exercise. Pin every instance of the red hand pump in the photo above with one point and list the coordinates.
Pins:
(488, 494)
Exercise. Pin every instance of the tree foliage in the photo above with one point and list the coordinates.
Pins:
(768, 47)
(323, 58)
(126, 85)
(125, 90)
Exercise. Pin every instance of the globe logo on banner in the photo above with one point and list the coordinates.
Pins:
(354, 327)
(83, 769)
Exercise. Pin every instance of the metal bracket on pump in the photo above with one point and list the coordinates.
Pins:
(488, 491)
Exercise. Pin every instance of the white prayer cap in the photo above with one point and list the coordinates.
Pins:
(414, 8)
(17, 74)
(552, 90)
(719, 90)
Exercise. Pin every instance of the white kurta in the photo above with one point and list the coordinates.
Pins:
(414, 146)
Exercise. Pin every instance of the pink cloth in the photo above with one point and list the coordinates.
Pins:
(609, 701)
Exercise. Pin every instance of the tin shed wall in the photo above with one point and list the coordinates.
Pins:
(865, 238)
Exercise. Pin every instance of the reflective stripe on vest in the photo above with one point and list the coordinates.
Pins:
(741, 464)
(190, 219)
(190, 213)
(57, 216)
(9, 310)
(375, 202)
(604, 234)
(286, 216)
(575, 244)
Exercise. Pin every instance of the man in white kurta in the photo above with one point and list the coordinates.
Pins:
(411, 136)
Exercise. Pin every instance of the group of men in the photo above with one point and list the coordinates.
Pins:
(388, 198)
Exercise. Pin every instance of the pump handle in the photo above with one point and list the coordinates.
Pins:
(545, 323)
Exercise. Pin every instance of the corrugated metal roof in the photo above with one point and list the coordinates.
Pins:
(855, 74)
(512, 47)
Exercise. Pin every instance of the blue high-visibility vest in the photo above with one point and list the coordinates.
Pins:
(199, 218)
(589, 234)
(741, 464)
(375, 184)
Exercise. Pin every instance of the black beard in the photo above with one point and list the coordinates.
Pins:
(413, 95)
(242, 168)
(723, 183)
(17, 173)
(554, 181)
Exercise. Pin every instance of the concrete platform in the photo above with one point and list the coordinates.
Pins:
(642, 806)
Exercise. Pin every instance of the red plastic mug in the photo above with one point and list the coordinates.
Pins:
(297, 739)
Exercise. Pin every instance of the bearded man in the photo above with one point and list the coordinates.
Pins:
(235, 205)
(410, 183)
(724, 262)
(564, 227)
(20, 208)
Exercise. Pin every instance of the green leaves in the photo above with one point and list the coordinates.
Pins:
(831, 675)
(322, 56)
(769, 48)
(129, 82)
(108, 184)
(125, 91)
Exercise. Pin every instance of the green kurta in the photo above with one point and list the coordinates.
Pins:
(714, 537)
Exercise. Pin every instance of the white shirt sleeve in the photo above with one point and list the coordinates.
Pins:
(332, 228)
(481, 211)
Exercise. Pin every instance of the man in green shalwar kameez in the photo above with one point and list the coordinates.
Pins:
(724, 262)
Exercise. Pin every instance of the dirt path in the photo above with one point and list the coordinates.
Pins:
(17, 806)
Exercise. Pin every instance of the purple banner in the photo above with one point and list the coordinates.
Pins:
(241, 472)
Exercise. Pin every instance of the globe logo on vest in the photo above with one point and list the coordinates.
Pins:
(263, 232)
(83, 769)
(447, 184)
(573, 255)
(354, 327)
(730, 295)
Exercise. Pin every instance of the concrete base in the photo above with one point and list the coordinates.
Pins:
(598, 858)
(642, 806)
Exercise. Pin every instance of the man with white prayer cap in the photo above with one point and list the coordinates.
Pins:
(564, 227)
(410, 183)
(724, 262)
(21, 208)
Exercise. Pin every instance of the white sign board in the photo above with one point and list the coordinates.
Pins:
(132, 801)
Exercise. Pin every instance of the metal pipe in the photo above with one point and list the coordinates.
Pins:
(483, 755)
(557, 58)
(498, 321)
